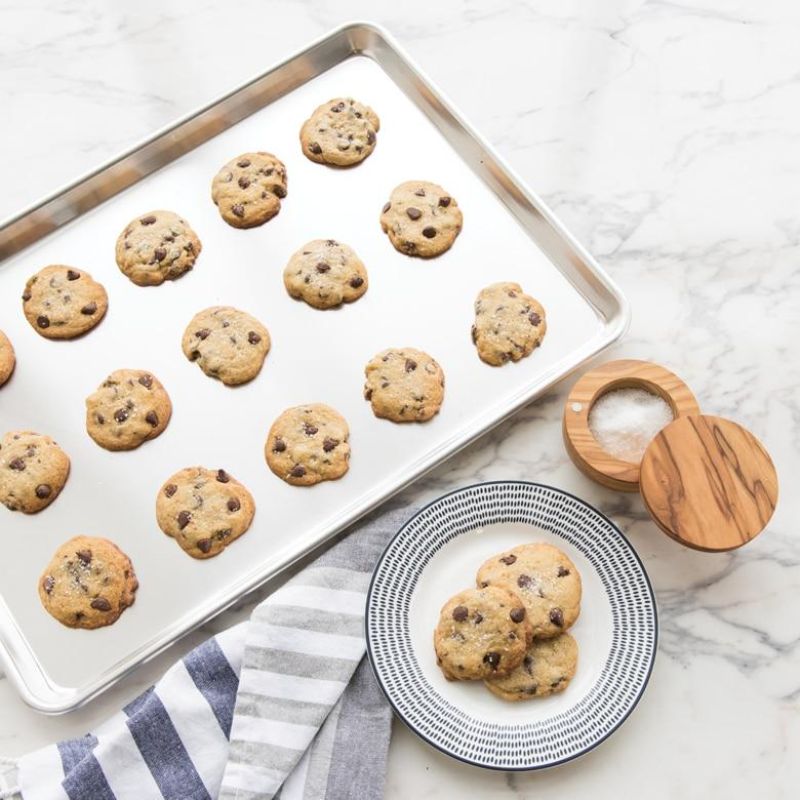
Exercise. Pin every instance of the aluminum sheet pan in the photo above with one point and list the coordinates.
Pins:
(316, 356)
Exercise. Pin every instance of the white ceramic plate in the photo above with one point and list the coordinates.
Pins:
(437, 553)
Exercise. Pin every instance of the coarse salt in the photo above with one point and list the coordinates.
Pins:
(624, 422)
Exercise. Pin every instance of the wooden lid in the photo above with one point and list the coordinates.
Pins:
(708, 483)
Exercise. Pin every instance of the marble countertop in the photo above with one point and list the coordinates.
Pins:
(666, 135)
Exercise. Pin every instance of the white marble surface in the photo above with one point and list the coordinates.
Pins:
(667, 136)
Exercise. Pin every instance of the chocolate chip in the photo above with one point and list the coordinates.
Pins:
(17, 463)
(151, 418)
(203, 333)
(183, 519)
(309, 428)
(411, 365)
(413, 213)
(524, 581)
(492, 659)
(356, 282)
(204, 545)
(26, 295)
(148, 220)
(331, 242)
(534, 318)
(121, 414)
(370, 137)
(43, 491)
(170, 489)
(234, 504)
(159, 254)
(329, 444)
(557, 617)
(48, 583)
(517, 614)
(429, 232)
(223, 476)
(278, 446)
(478, 618)
(337, 108)
(243, 182)
(527, 662)
(42, 321)
(386, 207)
(146, 381)
(245, 162)
(420, 192)
(238, 210)
(509, 559)
(315, 148)
(562, 571)
(323, 267)
(100, 604)
(474, 333)
(72, 275)
(444, 202)
(101, 420)
(85, 557)
(279, 191)
(298, 471)
(89, 309)
(460, 613)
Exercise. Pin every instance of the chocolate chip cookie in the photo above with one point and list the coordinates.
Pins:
(227, 344)
(308, 444)
(157, 246)
(404, 385)
(547, 668)
(63, 302)
(88, 583)
(204, 510)
(481, 633)
(7, 358)
(545, 580)
(248, 190)
(129, 407)
(33, 470)
(421, 219)
(341, 132)
(509, 324)
(325, 273)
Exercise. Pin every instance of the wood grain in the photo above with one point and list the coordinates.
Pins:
(709, 483)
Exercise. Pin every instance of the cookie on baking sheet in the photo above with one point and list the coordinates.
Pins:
(509, 324)
(340, 132)
(545, 580)
(129, 407)
(248, 190)
(308, 444)
(63, 302)
(404, 385)
(547, 668)
(7, 358)
(325, 273)
(157, 246)
(421, 219)
(481, 633)
(204, 510)
(33, 470)
(88, 583)
(227, 344)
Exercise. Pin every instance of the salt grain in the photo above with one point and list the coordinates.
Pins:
(624, 422)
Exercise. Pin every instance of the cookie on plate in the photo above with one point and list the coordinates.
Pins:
(404, 385)
(325, 273)
(33, 470)
(509, 324)
(7, 358)
(204, 510)
(227, 344)
(308, 444)
(340, 132)
(157, 246)
(547, 668)
(63, 302)
(421, 219)
(481, 633)
(129, 407)
(248, 190)
(545, 580)
(88, 583)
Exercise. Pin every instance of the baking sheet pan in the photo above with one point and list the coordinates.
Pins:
(316, 356)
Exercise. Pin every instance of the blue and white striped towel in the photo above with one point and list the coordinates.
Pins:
(282, 705)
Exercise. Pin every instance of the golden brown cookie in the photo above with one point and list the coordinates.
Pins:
(204, 510)
(248, 190)
(8, 359)
(340, 132)
(88, 583)
(33, 471)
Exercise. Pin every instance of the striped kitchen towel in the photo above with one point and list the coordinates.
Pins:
(284, 705)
